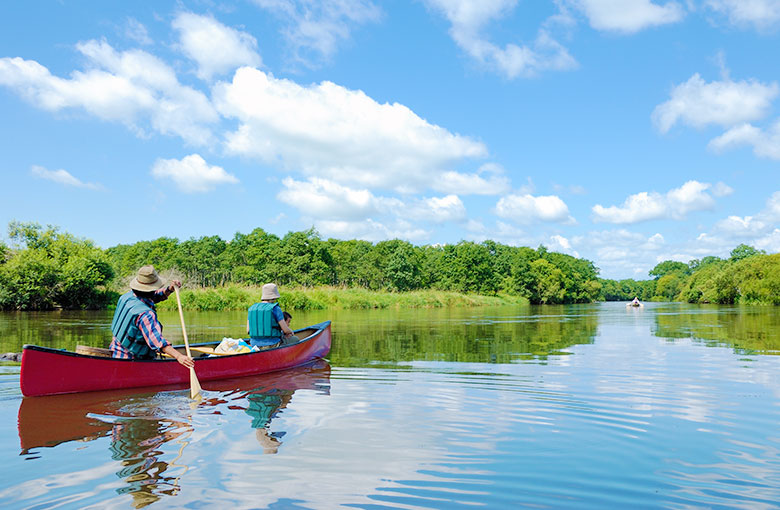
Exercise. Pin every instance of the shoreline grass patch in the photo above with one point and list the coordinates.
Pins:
(233, 297)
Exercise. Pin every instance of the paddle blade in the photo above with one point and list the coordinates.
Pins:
(194, 385)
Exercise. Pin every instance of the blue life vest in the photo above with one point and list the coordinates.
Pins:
(261, 321)
(124, 329)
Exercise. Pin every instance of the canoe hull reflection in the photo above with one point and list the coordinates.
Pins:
(48, 371)
(49, 421)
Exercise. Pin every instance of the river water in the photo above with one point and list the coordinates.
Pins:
(587, 406)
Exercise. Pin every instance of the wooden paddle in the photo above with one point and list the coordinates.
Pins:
(194, 384)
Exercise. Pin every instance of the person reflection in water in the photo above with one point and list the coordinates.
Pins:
(263, 407)
(138, 445)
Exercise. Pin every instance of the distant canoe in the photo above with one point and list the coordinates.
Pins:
(48, 371)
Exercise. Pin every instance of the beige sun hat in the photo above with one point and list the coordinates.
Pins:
(147, 280)
(270, 291)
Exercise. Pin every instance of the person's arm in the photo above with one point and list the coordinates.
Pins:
(278, 316)
(285, 328)
(163, 293)
(152, 331)
(181, 358)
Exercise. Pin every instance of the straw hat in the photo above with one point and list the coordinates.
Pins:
(147, 280)
(270, 291)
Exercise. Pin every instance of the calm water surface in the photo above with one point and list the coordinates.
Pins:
(593, 406)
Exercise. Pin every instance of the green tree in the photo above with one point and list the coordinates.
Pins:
(302, 258)
(161, 253)
(50, 269)
(403, 268)
(201, 261)
(668, 266)
(669, 285)
(725, 288)
(519, 280)
(247, 256)
(696, 264)
(467, 267)
(744, 251)
(759, 279)
(548, 283)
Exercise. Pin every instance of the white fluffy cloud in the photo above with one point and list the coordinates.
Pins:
(315, 29)
(488, 180)
(343, 135)
(469, 19)
(675, 204)
(529, 208)
(560, 244)
(192, 174)
(326, 200)
(320, 198)
(761, 14)
(763, 222)
(621, 252)
(759, 230)
(131, 87)
(765, 143)
(724, 103)
(216, 49)
(438, 209)
(629, 16)
(62, 177)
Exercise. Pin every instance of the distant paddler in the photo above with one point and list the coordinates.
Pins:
(136, 329)
(635, 302)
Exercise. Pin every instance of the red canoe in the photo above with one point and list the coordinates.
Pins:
(48, 371)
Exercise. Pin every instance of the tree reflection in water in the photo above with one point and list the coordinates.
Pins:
(482, 335)
(746, 329)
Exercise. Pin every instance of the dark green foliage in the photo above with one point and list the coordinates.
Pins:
(46, 269)
(201, 261)
(301, 258)
(403, 268)
(49, 269)
(304, 259)
(466, 267)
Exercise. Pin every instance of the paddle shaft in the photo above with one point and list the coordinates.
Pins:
(181, 316)
(194, 383)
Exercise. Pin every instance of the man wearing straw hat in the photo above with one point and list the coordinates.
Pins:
(137, 332)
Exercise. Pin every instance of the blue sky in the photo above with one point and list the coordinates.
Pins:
(626, 132)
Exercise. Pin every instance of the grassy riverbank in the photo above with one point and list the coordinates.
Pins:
(235, 297)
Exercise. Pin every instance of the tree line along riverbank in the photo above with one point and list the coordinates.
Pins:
(44, 268)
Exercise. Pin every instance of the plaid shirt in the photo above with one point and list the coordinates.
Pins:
(150, 327)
